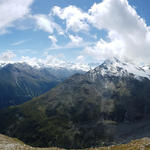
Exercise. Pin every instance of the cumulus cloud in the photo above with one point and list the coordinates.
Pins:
(103, 50)
(12, 10)
(75, 18)
(128, 34)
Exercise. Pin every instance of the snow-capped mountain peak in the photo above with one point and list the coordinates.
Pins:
(115, 67)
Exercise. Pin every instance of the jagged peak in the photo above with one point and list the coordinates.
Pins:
(111, 61)
(116, 67)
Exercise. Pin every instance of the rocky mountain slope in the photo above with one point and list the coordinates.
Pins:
(20, 82)
(105, 106)
(7, 143)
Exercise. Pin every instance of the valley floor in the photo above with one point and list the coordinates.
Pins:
(7, 143)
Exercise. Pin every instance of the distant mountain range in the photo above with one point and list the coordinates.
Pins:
(20, 82)
(53, 65)
(107, 105)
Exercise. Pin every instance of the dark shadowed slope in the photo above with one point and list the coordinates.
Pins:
(20, 82)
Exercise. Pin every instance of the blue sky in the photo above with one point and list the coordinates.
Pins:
(76, 31)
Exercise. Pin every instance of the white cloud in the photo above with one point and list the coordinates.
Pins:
(103, 50)
(46, 23)
(128, 34)
(33, 61)
(54, 61)
(18, 42)
(12, 10)
(48, 61)
(115, 15)
(7, 56)
(53, 39)
(75, 18)
(80, 59)
(75, 40)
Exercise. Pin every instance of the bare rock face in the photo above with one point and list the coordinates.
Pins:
(7, 143)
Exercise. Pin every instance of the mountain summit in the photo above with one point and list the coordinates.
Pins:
(115, 67)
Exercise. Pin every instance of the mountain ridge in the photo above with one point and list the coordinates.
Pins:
(67, 66)
(113, 65)
(20, 82)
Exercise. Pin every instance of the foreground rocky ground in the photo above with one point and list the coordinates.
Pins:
(7, 143)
